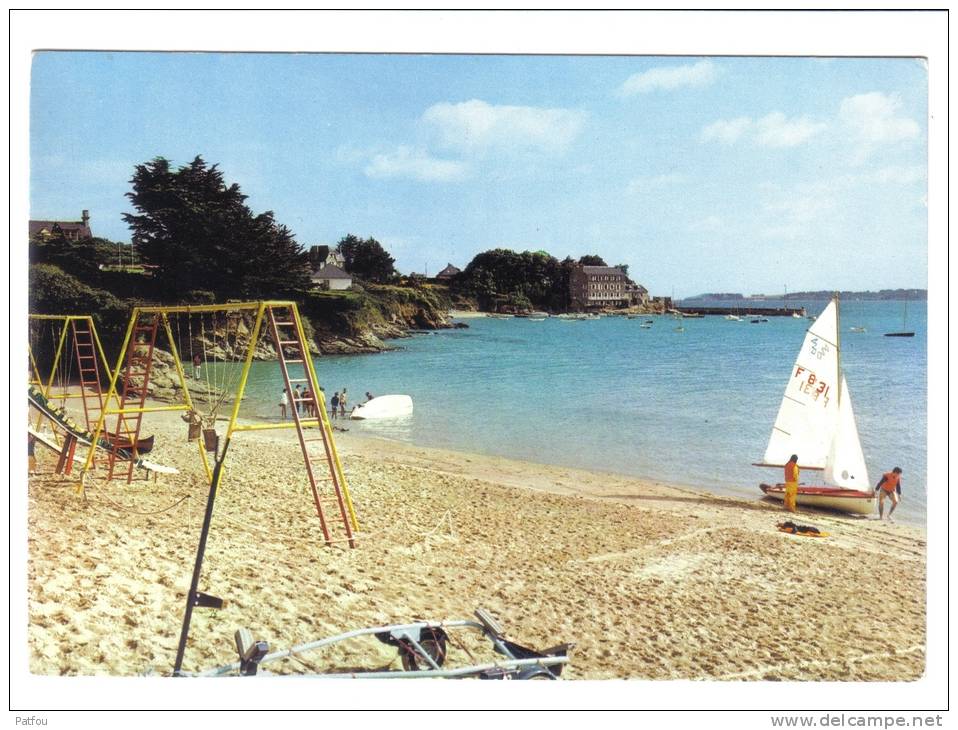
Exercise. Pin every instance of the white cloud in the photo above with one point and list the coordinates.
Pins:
(726, 131)
(874, 116)
(840, 207)
(640, 185)
(777, 130)
(873, 120)
(772, 130)
(701, 73)
(476, 124)
(864, 123)
(416, 164)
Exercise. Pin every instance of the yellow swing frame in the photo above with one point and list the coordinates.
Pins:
(46, 385)
(260, 308)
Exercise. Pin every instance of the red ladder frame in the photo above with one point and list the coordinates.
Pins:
(286, 334)
(138, 365)
(87, 362)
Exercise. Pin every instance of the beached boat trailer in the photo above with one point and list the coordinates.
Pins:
(422, 650)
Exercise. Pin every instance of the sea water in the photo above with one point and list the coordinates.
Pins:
(693, 407)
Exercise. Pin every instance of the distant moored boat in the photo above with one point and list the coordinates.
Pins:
(904, 319)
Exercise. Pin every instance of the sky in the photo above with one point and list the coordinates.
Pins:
(703, 174)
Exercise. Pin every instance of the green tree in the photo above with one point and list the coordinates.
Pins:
(55, 291)
(202, 236)
(81, 258)
(367, 259)
(592, 260)
(523, 279)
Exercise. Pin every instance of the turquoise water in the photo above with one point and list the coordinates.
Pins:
(694, 407)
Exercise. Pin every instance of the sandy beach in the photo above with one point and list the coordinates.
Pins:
(650, 580)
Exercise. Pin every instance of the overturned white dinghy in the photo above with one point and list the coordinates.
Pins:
(384, 406)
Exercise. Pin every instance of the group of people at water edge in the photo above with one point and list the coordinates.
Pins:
(305, 403)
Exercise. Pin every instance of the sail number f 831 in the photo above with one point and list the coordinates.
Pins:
(811, 385)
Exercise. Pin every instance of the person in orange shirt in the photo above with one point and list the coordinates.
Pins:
(791, 483)
(889, 486)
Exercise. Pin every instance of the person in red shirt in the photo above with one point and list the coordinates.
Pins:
(791, 483)
(889, 486)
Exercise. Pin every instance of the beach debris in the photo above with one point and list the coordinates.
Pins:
(801, 530)
(423, 648)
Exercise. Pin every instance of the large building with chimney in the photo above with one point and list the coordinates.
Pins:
(599, 286)
(71, 230)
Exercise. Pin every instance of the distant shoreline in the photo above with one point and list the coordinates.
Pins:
(884, 295)
(465, 314)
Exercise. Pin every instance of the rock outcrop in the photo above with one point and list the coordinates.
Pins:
(363, 320)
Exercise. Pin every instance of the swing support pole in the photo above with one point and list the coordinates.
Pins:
(244, 376)
(111, 393)
(48, 388)
(194, 597)
(186, 390)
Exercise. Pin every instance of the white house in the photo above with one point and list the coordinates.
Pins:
(331, 277)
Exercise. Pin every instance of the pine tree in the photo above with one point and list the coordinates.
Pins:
(201, 235)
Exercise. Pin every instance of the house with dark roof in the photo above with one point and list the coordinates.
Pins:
(447, 273)
(638, 294)
(331, 276)
(320, 256)
(71, 230)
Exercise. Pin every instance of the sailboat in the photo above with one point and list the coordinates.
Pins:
(904, 320)
(816, 421)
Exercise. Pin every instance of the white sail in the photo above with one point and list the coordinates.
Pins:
(807, 420)
(845, 465)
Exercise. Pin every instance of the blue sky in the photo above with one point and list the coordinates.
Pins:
(703, 174)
